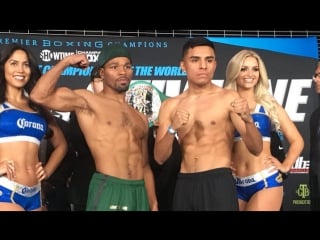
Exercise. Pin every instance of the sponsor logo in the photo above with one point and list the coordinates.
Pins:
(301, 166)
(101, 44)
(303, 192)
(245, 180)
(47, 55)
(69, 71)
(28, 190)
(23, 123)
(117, 207)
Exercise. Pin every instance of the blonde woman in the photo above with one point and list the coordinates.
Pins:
(258, 178)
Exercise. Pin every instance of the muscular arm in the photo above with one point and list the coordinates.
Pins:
(60, 99)
(252, 138)
(148, 175)
(243, 121)
(150, 187)
(164, 140)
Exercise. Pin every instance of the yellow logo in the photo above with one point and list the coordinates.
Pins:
(303, 191)
(279, 178)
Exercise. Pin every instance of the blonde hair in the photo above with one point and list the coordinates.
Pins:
(261, 89)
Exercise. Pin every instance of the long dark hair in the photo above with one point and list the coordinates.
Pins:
(6, 52)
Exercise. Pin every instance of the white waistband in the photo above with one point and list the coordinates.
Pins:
(19, 188)
(257, 177)
(264, 138)
(20, 138)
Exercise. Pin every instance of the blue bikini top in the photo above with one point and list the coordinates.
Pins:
(262, 122)
(19, 125)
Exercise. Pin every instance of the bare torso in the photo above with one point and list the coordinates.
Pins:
(23, 154)
(115, 133)
(247, 164)
(207, 137)
(25, 157)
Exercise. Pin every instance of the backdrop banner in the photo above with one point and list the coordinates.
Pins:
(290, 64)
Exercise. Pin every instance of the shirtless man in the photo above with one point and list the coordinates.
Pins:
(116, 133)
(205, 117)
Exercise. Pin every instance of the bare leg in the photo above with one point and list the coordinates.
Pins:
(242, 205)
(4, 206)
(268, 199)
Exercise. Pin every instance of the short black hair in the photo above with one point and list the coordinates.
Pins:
(195, 42)
(95, 73)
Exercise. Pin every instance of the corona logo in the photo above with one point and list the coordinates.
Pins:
(23, 123)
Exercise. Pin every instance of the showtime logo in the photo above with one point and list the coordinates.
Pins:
(300, 166)
(47, 55)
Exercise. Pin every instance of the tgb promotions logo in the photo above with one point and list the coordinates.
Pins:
(303, 192)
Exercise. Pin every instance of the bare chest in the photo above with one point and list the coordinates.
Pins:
(121, 118)
(209, 109)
